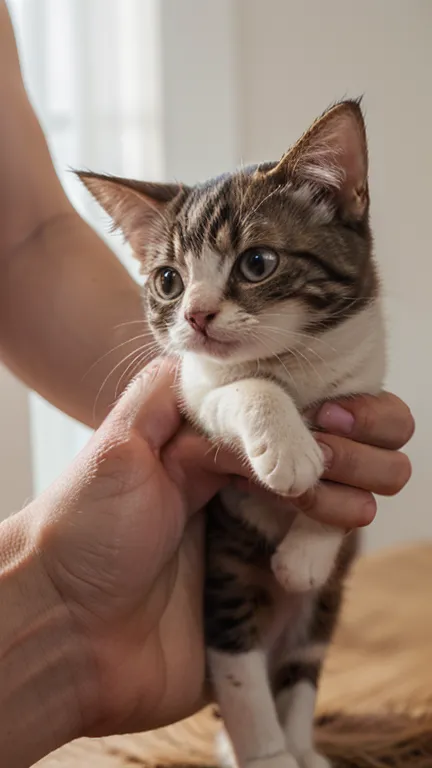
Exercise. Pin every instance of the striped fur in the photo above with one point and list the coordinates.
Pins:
(263, 281)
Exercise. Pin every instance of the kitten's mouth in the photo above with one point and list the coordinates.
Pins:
(210, 346)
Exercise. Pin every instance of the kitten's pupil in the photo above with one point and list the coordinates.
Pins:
(169, 283)
(257, 264)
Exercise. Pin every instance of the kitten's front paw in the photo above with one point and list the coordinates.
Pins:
(289, 463)
(282, 760)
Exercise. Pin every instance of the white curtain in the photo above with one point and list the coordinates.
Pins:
(92, 70)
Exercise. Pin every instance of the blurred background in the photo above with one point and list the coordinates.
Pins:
(185, 89)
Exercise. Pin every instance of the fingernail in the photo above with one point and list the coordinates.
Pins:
(327, 453)
(333, 418)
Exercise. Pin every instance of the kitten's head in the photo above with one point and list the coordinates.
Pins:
(243, 266)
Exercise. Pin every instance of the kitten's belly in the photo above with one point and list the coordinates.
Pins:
(280, 621)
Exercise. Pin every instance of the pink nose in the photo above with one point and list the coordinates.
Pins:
(200, 320)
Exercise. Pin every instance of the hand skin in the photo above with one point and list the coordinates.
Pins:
(101, 576)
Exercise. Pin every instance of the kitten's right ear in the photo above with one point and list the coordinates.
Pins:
(332, 156)
(137, 208)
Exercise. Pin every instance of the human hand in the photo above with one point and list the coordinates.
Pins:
(101, 582)
(361, 438)
(126, 555)
(117, 539)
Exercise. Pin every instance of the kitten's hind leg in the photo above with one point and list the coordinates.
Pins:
(248, 709)
(238, 664)
(295, 680)
(296, 707)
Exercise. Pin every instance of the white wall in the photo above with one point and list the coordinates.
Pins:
(294, 58)
(15, 456)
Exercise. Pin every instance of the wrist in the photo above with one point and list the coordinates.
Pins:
(43, 667)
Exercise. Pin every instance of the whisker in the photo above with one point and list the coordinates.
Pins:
(274, 354)
(106, 379)
(114, 349)
(141, 353)
(130, 322)
(296, 334)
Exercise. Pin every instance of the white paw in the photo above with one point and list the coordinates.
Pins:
(224, 751)
(312, 759)
(281, 760)
(289, 463)
(305, 559)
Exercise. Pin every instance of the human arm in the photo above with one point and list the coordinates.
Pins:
(64, 296)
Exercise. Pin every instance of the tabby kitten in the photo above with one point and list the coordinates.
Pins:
(263, 282)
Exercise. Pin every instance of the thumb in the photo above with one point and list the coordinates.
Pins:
(148, 406)
(122, 452)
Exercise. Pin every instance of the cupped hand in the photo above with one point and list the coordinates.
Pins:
(119, 543)
(119, 540)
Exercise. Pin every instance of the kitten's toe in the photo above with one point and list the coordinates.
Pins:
(305, 562)
(312, 759)
(290, 468)
(281, 760)
(297, 574)
(308, 466)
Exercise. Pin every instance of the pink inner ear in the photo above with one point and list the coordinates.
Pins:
(353, 153)
(333, 155)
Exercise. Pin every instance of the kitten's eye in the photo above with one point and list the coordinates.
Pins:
(169, 284)
(257, 264)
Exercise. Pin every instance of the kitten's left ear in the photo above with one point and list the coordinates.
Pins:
(138, 208)
(332, 156)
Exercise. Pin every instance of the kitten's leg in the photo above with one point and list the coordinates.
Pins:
(305, 558)
(296, 708)
(296, 680)
(287, 459)
(248, 709)
(260, 417)
(237, 663)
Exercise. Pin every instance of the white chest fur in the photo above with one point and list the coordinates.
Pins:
(260, 415)
(347, 359)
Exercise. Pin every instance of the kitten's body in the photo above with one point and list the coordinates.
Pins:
(291, 628)
(263, 282)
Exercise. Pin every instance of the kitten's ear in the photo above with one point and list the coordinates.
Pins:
(332, 155)
(138, 208)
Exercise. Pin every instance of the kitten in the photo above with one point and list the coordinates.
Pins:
(263, 282)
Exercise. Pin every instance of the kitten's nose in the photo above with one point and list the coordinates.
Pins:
(200, 320)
